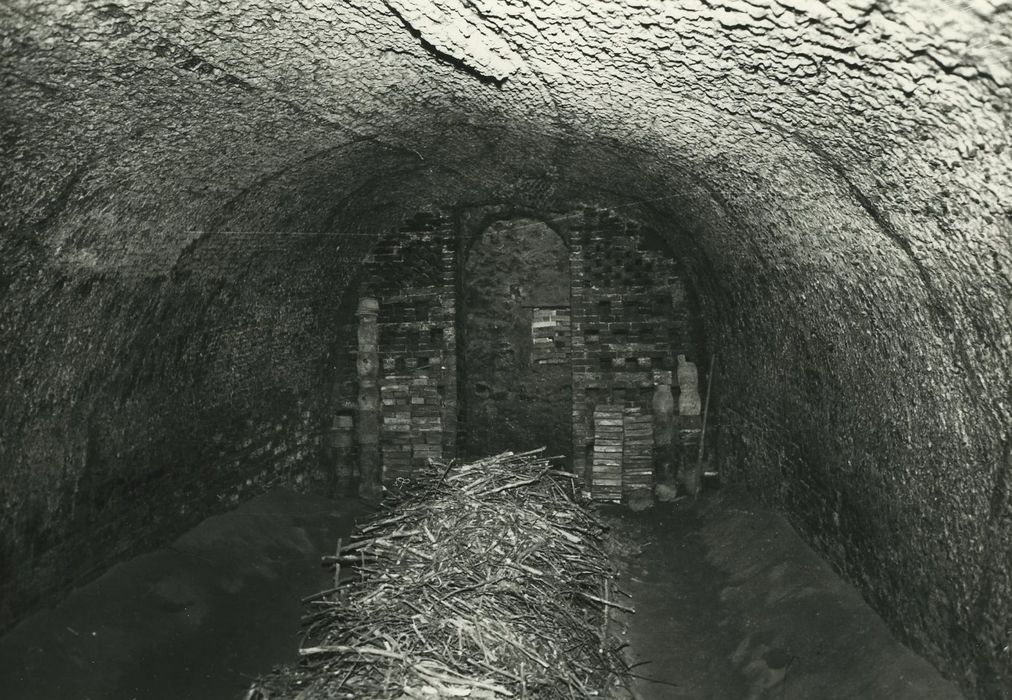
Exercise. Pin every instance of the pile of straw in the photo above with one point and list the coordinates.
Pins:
(485, 581)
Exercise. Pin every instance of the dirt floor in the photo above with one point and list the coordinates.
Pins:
(731, 604)
(195, 620)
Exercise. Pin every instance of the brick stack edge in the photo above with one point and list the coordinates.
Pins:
(628, 317)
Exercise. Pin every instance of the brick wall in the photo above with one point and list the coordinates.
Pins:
(517, 389)
(156, 401)
(630, 317)
(527, 351)
(412, 274)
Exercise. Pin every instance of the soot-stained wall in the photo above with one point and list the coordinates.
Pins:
(632, 316)
(515, 400)
(837, 173)
(412, 275)
(153, 402)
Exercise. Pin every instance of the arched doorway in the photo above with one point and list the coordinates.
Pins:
(516, 355)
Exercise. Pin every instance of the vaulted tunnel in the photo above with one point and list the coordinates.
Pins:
(189, 191)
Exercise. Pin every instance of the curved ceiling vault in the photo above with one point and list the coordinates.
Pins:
(838, 175)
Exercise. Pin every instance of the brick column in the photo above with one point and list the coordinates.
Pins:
(446, 316)
(367, 366)
(582, 433)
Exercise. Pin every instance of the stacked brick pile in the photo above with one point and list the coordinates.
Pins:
(606, 484)
(550, 328)
(637, 452)
(412, 428)
(412, 274)
(629, 318)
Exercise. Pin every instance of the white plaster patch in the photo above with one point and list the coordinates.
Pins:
(458, 32)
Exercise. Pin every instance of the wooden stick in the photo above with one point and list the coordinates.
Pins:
(424, 669)
(322, 594)
(373, 540)
(337, 564)
(513, 485)
(341, 649)
(607, 614)
(606, 602)
(706, 409)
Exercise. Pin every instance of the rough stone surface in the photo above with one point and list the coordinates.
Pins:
(838, 174)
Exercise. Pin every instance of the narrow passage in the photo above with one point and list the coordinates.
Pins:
(732, 604)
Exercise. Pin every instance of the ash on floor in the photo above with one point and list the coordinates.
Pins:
(731, 604)
(198, 619)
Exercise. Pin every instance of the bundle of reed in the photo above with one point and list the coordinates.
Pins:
(485, 580)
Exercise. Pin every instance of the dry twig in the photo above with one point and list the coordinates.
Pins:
(480, 582)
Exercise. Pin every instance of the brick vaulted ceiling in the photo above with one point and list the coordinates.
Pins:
(838, 172)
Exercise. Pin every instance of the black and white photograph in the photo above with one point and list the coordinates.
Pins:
(505, 349)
